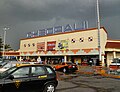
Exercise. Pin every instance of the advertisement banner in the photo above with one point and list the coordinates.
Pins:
(63, 44)
(41, 46)
(51, 45)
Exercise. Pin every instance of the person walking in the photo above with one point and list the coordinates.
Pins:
(39, 60)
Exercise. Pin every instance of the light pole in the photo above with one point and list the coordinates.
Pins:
(4, 39)
(98, 24)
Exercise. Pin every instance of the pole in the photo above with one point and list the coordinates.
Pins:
(4, 39)
(98, 23)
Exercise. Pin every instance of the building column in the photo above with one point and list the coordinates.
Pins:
(103, 60)
(65, 58)
(20, 59)
(114, 54)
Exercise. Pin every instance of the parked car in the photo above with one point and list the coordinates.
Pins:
(115, 64)
(3, 62)
(28, 78)
(66, 67)
(6, 64)
(0, 60)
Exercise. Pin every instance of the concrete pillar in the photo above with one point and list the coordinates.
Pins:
(20, 59)
(65, 58)
(103, 60)
(114, 54)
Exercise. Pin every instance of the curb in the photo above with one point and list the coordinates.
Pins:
(100, 74)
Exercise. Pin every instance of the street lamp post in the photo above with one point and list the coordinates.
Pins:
(98, 24)
(4, 39)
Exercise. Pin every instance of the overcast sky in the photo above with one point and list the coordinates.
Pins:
(23, 16)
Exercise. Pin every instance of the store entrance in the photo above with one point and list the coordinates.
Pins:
(54, 60)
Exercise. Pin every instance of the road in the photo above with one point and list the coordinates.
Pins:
(87, 84)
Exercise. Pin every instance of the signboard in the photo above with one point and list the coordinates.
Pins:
(50, 31)
(53, 30)
(31, 34)
(41, 46)
(41, 32)
(58, 29)
(51, 45)
(63, 44)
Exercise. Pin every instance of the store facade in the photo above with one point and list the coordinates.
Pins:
(112, 50)
(76, 46)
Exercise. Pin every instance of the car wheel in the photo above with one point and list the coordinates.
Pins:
(64, 70)
(49, 88)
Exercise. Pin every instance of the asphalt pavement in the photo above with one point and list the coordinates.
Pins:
(84, 80)
(83, 83)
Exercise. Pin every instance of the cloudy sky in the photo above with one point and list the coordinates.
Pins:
(23, 16)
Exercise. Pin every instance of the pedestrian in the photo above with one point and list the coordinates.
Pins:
(90, 63)
(39, 60)
(76, 62)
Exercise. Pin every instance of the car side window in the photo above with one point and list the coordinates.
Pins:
(37, 71)
(21, 72)
(49, 70)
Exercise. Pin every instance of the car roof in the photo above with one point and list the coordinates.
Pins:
(21, 65)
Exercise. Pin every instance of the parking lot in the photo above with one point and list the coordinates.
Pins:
(85, 83)
(85, 79)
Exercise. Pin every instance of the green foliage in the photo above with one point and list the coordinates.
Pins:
(1, 44)
(7, 46)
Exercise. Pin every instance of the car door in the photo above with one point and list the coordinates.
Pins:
(38, 78)
(19, 82)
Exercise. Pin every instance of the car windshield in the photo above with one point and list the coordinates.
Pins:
(69, 63)
(5, 73)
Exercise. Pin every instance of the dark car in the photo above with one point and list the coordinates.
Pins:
(3, 62)
(66, 67)
(28, 78)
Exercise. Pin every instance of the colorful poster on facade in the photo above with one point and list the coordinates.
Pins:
(51, 45)
(41, 46)
(63, 44)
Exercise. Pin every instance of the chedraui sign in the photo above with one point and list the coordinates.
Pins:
(53, 30)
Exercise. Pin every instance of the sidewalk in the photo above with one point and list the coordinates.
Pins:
(96, 70)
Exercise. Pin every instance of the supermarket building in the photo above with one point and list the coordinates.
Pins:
(75, 46)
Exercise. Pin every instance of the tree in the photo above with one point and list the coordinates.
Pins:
(1, 44)
(7, 46)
